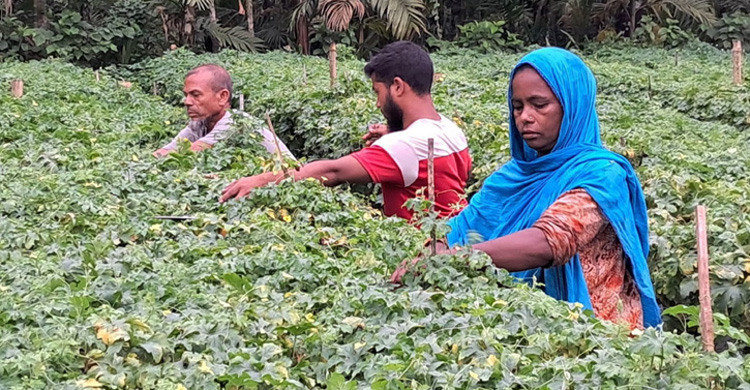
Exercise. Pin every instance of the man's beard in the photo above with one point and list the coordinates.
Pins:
(393, 114)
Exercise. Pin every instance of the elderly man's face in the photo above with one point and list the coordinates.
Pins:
(201, 101)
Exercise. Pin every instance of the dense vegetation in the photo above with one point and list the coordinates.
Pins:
(287, 289)
(102, 32)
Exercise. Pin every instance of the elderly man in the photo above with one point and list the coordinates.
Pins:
(208, 96)
(396, 156)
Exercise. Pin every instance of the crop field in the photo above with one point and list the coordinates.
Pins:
(288, 289)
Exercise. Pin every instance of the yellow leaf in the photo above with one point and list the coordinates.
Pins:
(204, 368)
(500, 302)
(167, 123)
(474, 375)
(454, 349)
(140, 324)
(359, 345)
(283, 371)
(354, 322)
(132, 360)
(134, 157)
(492, 360)
(181, 387)
(90, 384)
(109, 338)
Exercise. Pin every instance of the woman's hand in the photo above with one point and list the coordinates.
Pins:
(408, 265)
(403, 268)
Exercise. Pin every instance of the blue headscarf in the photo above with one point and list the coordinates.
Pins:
(515, 196)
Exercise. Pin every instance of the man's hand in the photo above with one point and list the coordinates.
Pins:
(242, 187)
(161, 153)
(197, 146)
(374, 132)
(329, 172)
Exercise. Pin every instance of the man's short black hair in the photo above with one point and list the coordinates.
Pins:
(406, 60)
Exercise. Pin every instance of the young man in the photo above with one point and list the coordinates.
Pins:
(208, 93)
(401, 76)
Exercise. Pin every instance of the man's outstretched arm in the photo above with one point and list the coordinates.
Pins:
(329, 172)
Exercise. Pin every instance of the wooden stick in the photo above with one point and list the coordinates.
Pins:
(242, 102)
(276, 141)
(704, 287)
(431, 189)
(332, 63)
(96, 73)
(16, 88)
(737, 62)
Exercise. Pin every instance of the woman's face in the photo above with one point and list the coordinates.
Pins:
(536, 111)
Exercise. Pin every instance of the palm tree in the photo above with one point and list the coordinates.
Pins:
(391, 19)
(700, 11)
(8, 7)
(40, 12)
(186, 20)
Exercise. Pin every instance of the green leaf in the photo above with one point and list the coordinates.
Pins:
(337, 382)
(154, 349)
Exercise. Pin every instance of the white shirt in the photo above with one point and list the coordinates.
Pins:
(197, 131)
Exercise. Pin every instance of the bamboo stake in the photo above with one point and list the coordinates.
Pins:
(431, 189)
(96, 73)
(242, 102)
(704, 288)
(737, 62)
(332, 63)
(276, 141)
(16, 88)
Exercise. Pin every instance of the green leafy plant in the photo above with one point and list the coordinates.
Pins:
(728, 29)
(288, 288)
(487, 36)
(670, 34)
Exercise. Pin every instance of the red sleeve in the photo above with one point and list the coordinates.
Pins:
(379, 165)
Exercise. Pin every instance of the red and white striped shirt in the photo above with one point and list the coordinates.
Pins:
(398, 161)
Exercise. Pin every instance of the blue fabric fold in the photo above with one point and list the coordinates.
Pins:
(516, 195)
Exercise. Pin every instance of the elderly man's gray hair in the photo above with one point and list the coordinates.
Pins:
(220, 78)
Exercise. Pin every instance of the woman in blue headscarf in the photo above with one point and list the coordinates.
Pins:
(564, 210)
